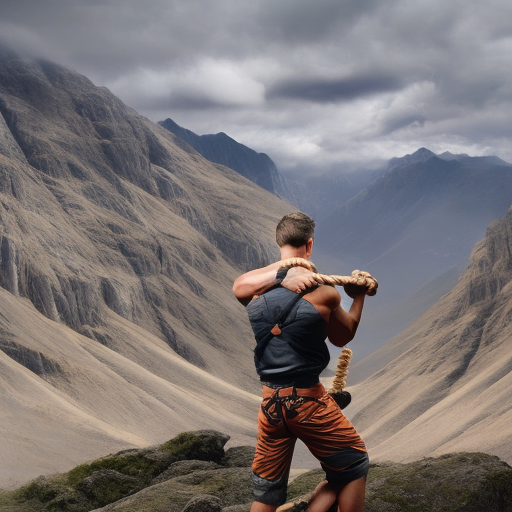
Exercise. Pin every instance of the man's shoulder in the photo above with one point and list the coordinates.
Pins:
(326, 295)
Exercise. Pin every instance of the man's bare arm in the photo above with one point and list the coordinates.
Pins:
(255, 282)
(262, 279)
(342, 325)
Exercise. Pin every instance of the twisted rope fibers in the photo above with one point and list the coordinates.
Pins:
(358, 278)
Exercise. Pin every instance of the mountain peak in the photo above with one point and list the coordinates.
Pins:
(222, 149)
(419, 156)
(423, 153)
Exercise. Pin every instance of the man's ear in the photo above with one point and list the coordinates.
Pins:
(309, 248)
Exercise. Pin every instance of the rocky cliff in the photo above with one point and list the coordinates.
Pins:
(118, 249)
(448, 378)
(257, 167)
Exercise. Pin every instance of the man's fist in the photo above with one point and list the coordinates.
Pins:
(352, 290)
(299, 279)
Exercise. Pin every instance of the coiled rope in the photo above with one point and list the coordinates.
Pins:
(340, 379)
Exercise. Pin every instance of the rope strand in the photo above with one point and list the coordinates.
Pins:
(358, 278)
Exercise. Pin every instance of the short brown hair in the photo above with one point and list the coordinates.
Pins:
(295, 229)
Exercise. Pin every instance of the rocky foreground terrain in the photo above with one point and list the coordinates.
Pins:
(193, 472)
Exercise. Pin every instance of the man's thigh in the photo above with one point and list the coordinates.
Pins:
(274, 449)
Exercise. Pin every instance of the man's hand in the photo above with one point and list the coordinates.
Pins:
(353, 290)
(299, 279)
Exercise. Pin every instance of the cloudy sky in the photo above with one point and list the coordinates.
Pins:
(316, 84)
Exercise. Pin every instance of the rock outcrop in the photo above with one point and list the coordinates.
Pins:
(125, 482)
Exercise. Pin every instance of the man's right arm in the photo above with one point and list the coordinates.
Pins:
(342, 325)
(255, 282)
(262, 279)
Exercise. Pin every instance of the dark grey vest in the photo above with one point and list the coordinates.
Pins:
(299, 353)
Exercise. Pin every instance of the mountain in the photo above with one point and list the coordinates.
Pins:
(118, 249)
(257, 167)
(413, 227)
(445, 382)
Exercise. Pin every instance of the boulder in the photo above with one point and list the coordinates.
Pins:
(198, 445)
(239, 456)
(184, 467)
(107, 485)
(203, 503)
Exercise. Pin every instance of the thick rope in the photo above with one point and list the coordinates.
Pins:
(358, 277)
(340, 380)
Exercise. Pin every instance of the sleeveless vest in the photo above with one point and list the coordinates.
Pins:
(299, 353)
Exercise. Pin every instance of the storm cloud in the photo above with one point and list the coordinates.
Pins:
(330, 84)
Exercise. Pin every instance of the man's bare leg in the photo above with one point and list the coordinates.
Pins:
(322, 498)
(351, 496)
(261, 507)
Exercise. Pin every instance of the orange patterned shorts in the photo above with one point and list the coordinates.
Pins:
(311, 415)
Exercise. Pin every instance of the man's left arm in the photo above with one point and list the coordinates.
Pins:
(342, 325)
(255, 282)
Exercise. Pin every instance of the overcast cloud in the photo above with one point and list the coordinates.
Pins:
(315, 84)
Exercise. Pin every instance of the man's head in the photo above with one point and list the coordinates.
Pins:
(295, 229)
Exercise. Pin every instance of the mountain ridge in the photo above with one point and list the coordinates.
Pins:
(118, 323)
(220, 148)
(413, 224)
(451, 367)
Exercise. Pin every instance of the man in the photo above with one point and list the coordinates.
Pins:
(289, 363)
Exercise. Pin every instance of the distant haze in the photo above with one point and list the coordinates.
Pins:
(444, 383)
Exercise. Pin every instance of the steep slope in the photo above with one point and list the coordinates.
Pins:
(125, 246)
(257, 167)
(66, 399)
(414, 225)
(448, 384)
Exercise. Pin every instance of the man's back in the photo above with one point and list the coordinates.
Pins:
(298, 353)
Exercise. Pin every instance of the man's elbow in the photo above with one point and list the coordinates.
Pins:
(340, 339)
(238, 291)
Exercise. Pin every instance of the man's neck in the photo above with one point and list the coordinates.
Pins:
(288, 251)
